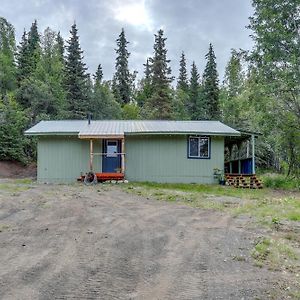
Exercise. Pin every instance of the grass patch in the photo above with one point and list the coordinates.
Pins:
(271, 210)
(11, 187)
(23, 181)
(3, 227)
(277, 181)
(267, 208)
(202, 189)
(277, 254)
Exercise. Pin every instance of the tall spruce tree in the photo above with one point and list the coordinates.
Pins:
(211, 86)
(76, 78)
(195, 107)
(160, 104)
(23, 61)
(34, 47)
(29, 52)
(144, 90)
(7, 57)
(122, 80)
(182, 82)
(60, 48)
(98, 76)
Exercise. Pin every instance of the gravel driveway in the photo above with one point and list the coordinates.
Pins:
(77, 242)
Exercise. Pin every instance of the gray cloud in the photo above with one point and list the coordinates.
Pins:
(189, 25)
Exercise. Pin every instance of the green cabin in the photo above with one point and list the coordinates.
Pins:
(139, 150)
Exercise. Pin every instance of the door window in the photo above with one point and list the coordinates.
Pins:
(112, 148)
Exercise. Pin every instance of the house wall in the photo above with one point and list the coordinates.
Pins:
(164, 159)
(62, 159)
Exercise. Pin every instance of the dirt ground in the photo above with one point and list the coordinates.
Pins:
(78, 242)
(12, 169)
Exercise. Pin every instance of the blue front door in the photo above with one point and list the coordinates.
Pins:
(111, 161)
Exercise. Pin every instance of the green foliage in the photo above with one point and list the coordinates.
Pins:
(76, 79)
(98, 76)
(144, 90)
(276, 55)
(103, 104)
(7, 50)
(13, 122)
(123, 80)
(159, 105)
(211, 86)
(180, 105)
(130, 111)
(278, 181)
(182, 82)
(232, 98)
(196, 105)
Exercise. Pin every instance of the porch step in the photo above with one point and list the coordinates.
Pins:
(245, 181)
(106, 176)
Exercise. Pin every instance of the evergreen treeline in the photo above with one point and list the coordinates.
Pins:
(45, 78)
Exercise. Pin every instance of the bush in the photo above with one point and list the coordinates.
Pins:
(278, 181)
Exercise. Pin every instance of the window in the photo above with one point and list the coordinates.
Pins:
(198, 147)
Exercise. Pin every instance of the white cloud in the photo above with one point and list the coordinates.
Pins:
(132, 13)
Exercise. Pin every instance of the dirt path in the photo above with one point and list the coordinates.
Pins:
(76, 242)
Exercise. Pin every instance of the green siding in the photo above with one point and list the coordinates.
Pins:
(62, 159)
(164, 159)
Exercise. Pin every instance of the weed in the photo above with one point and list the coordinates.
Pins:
(4, 227)
(278, 181)
(276, 254)
(8, 187)
(23, 181)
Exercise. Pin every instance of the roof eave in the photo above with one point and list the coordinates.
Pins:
(50, 133)
(184, 133)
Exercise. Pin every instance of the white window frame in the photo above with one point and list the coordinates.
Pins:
(199, 147)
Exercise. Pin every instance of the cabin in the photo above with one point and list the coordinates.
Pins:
(141, 150)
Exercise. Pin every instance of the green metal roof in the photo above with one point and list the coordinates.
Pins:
(129, 127)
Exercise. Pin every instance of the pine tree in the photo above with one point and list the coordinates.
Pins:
(23, 63)
(211, 86)
(144, 90)
(194, 95)
(7, 57)
(76, 78)
(160, 104)
(98, 76)
(122, 78)
(60, 46)
(182, 82)
(34, 46)
(147, 71)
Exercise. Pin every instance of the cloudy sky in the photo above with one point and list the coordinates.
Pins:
(189, 25)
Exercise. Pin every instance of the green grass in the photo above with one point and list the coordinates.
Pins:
(269, 209)
(278, 181)
(266, 207)
(23, 181)
(277, 254)
(11, 187)
(3, 227)
(203, 188)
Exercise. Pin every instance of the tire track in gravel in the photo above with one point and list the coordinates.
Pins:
(85, 244)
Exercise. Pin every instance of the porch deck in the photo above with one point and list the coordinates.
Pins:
(106, 176)
(110, 176)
